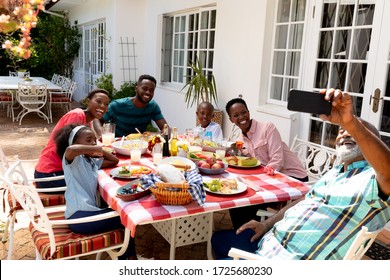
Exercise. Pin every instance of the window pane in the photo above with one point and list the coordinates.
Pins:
(182, 41)
(176, 43)
(365, 14)
(276, 88)
(341, 49)
(325, 47)
(213, 19)
(278, 63)
(357, 77)
(346, 15)
(298, 10)
(181, 58)
(328, 16)
(339, 72)
(177, 24)
(205, 20)
(322, 75)
(191, 23)
(293, 63)
(175, 58)
(283, 11)
(281, 37)
(190, 41)
(296, 34)
(362, 43)
(203, 40)
(211, 60)
(212, 38)
(183, 23)
(289, 84)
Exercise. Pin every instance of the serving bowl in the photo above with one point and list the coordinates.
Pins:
(125, 149)
(210, 171)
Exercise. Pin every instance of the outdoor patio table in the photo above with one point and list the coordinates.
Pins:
(11, 83)
(164, 218)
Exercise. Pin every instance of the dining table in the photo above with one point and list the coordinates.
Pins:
(12, 83)
(192, 223)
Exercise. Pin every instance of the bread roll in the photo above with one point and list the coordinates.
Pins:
(170, 174)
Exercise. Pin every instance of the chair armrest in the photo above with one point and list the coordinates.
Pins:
(93, 218)
(241, 254)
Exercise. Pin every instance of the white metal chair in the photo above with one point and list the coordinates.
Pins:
(361, 244)
(235, 131)
(61, 98)
(32, 99)
(13, 74)
(50, 231)
(54, 78)
(8, 99)
(316, 159)
(359, 247)
(50, 197)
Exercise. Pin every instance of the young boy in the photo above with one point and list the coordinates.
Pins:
(205, 113)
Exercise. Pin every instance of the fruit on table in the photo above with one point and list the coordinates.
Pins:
(211, 163)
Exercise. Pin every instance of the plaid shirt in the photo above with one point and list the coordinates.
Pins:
(324, 225)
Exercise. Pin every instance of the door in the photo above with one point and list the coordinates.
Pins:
(94, 53)
(352, 55)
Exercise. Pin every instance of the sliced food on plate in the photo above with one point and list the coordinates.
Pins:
(239, 161)
(224, 186)
(133, 172)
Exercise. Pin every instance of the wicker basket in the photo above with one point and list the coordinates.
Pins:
(172, 194)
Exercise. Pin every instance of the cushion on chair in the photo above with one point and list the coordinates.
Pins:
(5, 97)
(70, 243)
(60, 99)
(47, 200)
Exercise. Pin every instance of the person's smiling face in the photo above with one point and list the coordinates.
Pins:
(239, 115)
(98, 104)
(145, 91)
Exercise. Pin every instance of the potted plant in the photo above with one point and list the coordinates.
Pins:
(200, 86)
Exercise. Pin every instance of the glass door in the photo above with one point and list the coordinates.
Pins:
(352, 55)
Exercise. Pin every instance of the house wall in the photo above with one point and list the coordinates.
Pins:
(241, 62)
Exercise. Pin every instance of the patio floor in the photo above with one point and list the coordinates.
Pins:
(27, 141)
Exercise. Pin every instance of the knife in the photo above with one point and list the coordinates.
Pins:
(249, 184)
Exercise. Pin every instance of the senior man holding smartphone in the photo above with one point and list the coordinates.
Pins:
(324, 223)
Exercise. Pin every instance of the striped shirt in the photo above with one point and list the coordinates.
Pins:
(324, 225)
(127, 117)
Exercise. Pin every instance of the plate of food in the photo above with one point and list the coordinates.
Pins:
(126, 147)
(132, 191)
(224, 186)
(242, 162)
(123, 172)
(180, 163)
(200, 155)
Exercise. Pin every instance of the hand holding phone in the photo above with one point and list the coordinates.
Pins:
(308, 102)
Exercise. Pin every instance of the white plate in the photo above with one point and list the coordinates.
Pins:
(174, 160)
(243, 167)
(241, 187)
(126, 151)
(115, 172)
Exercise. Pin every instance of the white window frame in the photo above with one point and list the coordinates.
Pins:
(176, 53)
(287, 50)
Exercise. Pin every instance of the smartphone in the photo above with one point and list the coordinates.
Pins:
(308, 102)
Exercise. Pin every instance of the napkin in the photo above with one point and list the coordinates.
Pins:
(193, 178)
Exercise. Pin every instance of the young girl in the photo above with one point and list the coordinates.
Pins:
(49, 164)
(81, 159)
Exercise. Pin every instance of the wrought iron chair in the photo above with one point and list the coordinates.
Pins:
(32, 99)
(51, 235)
(50, 197)
(61, 98)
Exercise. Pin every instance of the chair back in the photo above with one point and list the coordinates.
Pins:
(13, 74)
(72, 89)
(54, 78)
(32, 97)
(29, 200)
(316, 159)
(361, 244)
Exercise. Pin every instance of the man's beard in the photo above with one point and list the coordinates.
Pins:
(347, 153)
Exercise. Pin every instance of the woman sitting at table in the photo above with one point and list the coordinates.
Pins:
(81, 159)
(262, 141)
(49, 163)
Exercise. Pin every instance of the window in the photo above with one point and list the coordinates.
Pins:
(187, 36)
(287, 48)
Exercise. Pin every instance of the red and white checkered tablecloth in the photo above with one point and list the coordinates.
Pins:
(278, 187)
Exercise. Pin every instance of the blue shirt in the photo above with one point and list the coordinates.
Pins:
(127, 117)
(81, 177)
(324, 225)
(216, 131)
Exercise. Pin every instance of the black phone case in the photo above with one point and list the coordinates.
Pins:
(308, 102)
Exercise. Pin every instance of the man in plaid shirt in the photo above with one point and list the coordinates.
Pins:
(323, 224)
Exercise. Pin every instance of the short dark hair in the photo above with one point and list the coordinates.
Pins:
(205, 104)
(97, 90)
(234, 101)
(146, 77)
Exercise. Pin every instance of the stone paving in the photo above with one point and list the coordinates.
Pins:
(27, 141)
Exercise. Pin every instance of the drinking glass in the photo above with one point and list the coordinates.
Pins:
(157, 153)
(190, 135)
(108, 134)
(220, 154)
(135, 152)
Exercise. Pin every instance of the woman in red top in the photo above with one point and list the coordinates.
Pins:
(49, 163)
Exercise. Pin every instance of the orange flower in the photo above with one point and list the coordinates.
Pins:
(239, 144)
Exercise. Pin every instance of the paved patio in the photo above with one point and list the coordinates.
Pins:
(27, 141)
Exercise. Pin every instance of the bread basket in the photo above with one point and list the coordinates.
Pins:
(172, 194)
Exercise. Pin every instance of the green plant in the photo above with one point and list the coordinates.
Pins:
(200, 86)
(105, 82)
(127, 89)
